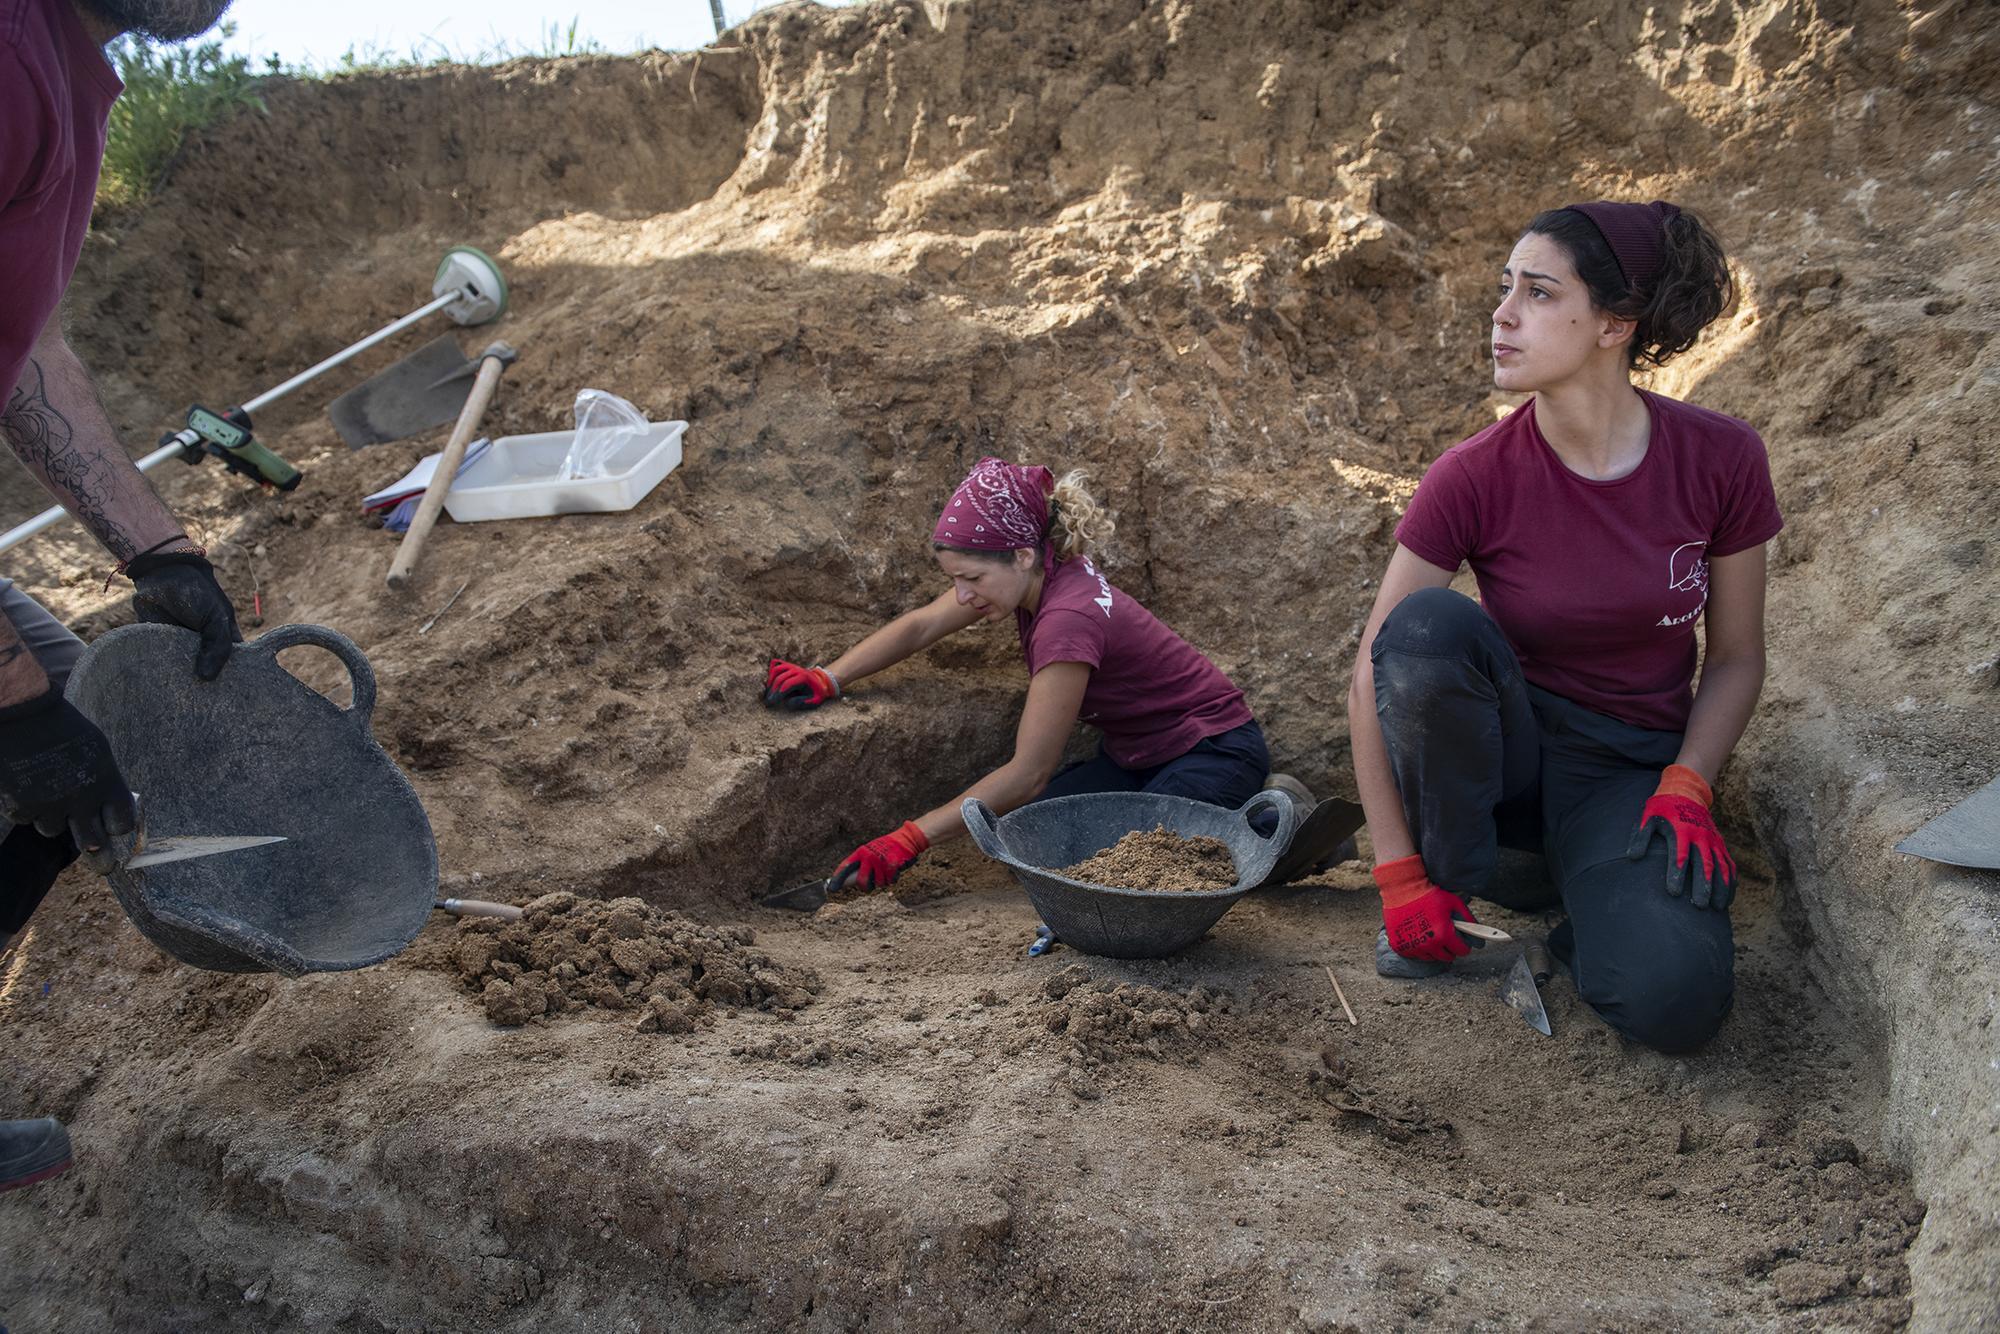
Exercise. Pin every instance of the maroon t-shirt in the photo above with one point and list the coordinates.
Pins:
(1151, 693)
(56, 91)
(1597, 585)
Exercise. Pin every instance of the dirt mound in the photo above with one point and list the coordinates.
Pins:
(1104, 1022)
(567, 954)
(1237, 262)
(1158, 859)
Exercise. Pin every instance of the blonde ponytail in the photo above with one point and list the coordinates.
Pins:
(1079, 526)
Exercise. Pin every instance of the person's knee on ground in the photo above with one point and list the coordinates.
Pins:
(1665, 980)
(1669, 1002)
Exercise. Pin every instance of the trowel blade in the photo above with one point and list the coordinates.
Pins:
(1518, 990)
(161, 850)
(809, 897)
(1966, 835)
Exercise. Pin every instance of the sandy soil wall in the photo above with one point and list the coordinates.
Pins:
(1237, 262)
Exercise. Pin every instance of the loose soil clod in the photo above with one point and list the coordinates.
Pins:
(568, 954)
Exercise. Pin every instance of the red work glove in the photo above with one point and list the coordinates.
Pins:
(880, 860)
(1417, 914)
(1678, 809)
(790, 686)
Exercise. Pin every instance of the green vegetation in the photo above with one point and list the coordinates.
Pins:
(173, 91)
(170, 91)
(557, 40)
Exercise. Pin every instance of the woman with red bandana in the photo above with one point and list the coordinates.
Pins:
(1558, 715)
(1017, 544)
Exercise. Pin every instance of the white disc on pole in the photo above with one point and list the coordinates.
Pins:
(475, 279)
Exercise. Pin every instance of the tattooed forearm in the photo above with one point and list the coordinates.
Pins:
(42, 437)
(55, 423)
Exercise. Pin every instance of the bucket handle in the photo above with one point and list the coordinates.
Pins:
(1280, 836)
(978, 817)
(340, 646)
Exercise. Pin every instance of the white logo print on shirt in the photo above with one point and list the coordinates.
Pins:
(1103, 598)
(1687, 572)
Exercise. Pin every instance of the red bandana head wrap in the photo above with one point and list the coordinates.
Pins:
(998, 507)
(1636, 234)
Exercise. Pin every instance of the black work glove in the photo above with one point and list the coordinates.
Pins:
(57, 773)
(179, 588)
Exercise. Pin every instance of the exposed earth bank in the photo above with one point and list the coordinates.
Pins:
(1238, 262)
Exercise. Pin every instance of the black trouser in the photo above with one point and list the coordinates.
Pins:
(1483, 759)
(30, 863)
(1223, 770)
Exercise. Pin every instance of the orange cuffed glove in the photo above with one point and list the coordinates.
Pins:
(1417, 914)
(790, 686)
(880, 860)
(1678, 809)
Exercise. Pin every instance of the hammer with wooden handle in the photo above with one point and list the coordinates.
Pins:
(495, 359)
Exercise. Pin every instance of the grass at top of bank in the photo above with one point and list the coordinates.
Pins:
(173, 91)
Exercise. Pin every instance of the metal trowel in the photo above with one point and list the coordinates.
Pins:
(1521, 987)
(1966, 835)
(809, 897)
(161, 850)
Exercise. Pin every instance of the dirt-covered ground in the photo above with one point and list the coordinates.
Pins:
(1238, 262)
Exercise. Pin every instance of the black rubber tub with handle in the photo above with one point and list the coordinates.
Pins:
(1112, 920)
(257, 751)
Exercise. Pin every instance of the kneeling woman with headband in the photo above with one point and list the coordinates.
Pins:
(1017, 543)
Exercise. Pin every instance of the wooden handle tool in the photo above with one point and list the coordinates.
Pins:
(1480, 931)
(495, 359)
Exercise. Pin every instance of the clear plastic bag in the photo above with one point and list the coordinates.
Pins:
(604, 424)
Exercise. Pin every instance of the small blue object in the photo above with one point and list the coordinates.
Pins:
(1045, 940)
(45, 992)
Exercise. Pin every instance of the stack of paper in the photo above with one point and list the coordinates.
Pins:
(397, 502)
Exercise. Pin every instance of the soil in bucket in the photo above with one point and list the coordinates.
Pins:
(1158, 860)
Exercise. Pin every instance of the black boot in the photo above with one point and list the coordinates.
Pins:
(32, 1151)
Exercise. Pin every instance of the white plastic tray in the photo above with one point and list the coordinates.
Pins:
(516, 479)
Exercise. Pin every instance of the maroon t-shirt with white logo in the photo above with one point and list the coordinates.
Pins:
(1151, 693)
(56, 91)
(1597, 585)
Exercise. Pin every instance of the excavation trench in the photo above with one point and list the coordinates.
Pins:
(1241, 272)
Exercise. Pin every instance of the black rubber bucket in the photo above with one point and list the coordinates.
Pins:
(257, 751)
(1111, 920)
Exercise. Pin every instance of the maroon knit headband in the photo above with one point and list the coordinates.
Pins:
(1636, 234)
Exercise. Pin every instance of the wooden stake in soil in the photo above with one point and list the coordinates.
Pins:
(1342, 995)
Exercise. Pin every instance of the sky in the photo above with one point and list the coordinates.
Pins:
(319, 34)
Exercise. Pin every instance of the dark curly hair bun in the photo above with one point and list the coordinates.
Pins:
(1690, 288)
